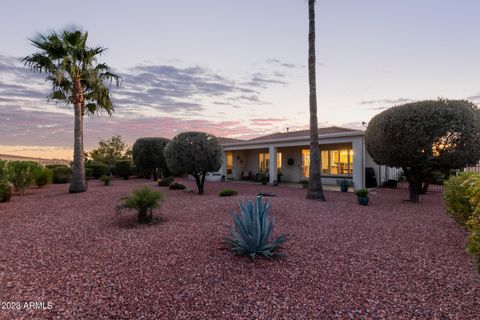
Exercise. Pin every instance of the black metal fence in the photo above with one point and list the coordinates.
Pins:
(389, 177)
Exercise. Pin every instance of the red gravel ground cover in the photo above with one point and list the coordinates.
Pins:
(392, 259)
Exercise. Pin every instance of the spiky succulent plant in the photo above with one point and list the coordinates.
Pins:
(251, 233)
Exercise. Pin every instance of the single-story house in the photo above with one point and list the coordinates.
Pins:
(285, 157)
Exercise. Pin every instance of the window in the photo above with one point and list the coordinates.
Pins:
(333, 162)
(305, 163)
(229, 162)
(263, 161)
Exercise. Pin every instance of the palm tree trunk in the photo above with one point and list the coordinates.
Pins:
(315, 190)
(78, 182)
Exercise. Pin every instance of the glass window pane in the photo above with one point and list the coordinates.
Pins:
(343, 164)
(334, 162)
(324, 161)
(305, 163)
(350, 158)
(279, 161)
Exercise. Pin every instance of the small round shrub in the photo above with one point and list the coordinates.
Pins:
(123, 168)
(5, 192)
(106, 179)
(62, 175)
(99, 168)
(165, 182)
(22, 174)
(228, 193)
(89, 173)
(177, 186)
(43, 176)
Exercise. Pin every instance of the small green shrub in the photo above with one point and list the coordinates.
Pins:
(62, 174)
(144, 200)
(22, 174)
(123, 168)
(89, 173)
(166, 182)
(106, 179)
(5, 189)
(99, 168)
(457, 197)
(361, 193)
(177, 186)
(252, 231)
(43, 176)
(228, 193)
(5, 192)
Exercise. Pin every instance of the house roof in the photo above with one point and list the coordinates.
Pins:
(302, 133)
(290, 134)
(223, 140)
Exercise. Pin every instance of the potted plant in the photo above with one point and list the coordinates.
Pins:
(344, 185)
(362, 196)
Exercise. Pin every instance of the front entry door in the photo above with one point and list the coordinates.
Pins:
(230, 174)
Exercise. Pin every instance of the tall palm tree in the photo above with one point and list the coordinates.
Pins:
(315, 190)
(76, 78)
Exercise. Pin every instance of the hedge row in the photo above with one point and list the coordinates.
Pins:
(462, 195)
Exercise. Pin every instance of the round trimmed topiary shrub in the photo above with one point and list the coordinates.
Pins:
(123, 168)
(177, 186)
(99, 168)
(62, 174)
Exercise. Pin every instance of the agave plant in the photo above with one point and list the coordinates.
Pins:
(251, 233)
(144, 200)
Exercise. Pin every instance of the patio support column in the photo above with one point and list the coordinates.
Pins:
(358, 164)
(273, 164)
(224, 165)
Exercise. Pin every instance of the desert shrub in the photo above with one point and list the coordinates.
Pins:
(144, 200)
(177, 186)
(5, 188)
(22, 174)
(166, 182)
(5, 192)
(43, 176)
(62, 174)
(252, 231)
(457, 198)
(228, 193)
(473, 223)
(194, 153)
(99, 168)
(123, 168)
(106, 178)
(89, 172)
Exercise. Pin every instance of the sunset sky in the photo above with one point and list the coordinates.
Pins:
(237, 68)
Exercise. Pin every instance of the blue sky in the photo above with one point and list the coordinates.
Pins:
(238, 68)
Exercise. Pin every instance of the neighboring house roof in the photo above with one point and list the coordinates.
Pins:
(9, 157)
(228, 140)
(291, 134)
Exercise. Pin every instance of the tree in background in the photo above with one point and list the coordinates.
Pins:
(111, 150)
(149, 157)
(71, 66)
(195, 153)
(426, 136)
(315, 190)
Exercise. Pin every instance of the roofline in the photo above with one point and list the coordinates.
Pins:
(292, 139)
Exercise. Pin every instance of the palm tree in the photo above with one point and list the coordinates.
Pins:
(76, 78)
(315, 190)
